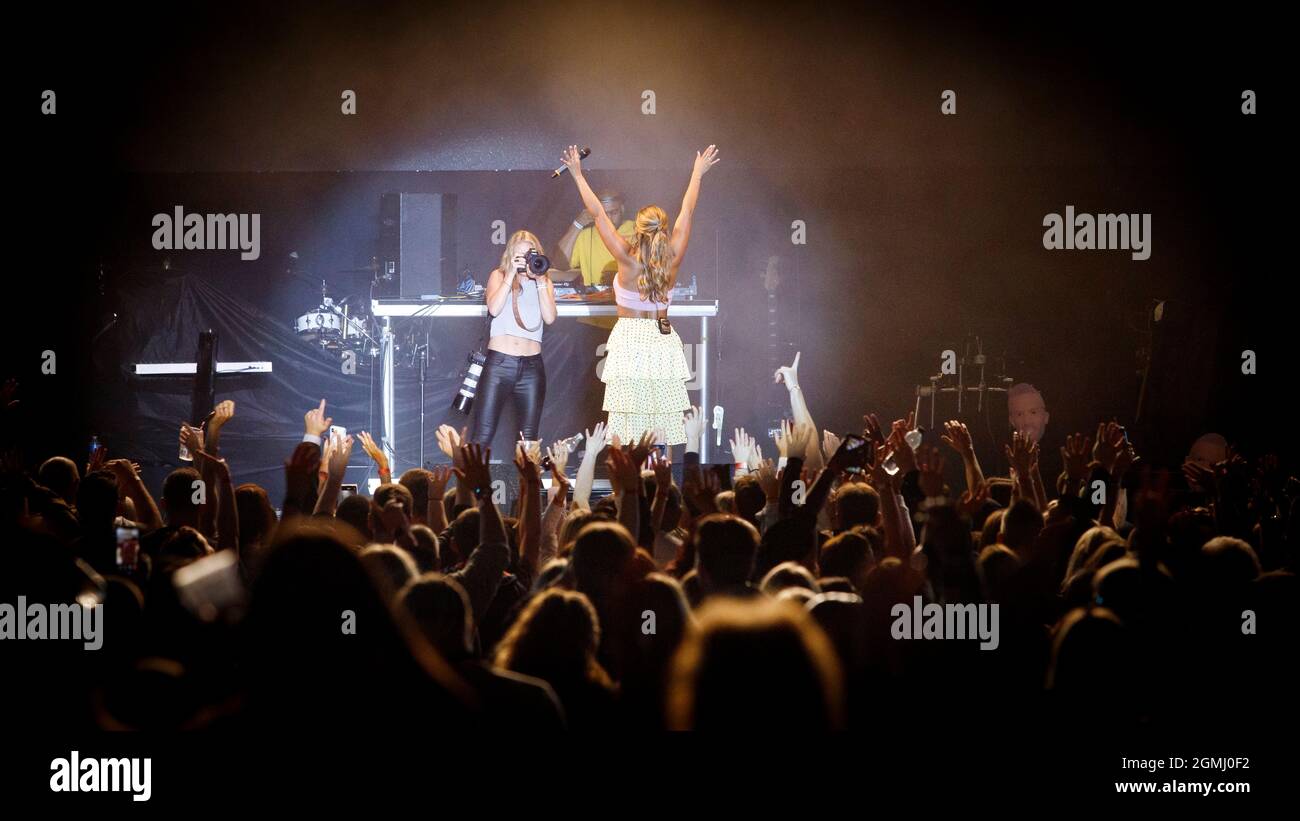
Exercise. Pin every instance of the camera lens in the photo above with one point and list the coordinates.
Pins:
(538, 264)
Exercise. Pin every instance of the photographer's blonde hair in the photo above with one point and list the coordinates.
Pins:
(652, 248)
(516, 238)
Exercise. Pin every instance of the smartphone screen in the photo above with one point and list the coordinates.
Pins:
(128, 547)
(339, 430)
(854, 445)
(347, 490)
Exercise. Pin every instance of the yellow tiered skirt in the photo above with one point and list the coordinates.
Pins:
(645, 377)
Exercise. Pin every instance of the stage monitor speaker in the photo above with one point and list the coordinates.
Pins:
(417, 245)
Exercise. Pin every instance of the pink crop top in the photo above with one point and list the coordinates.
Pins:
(631, 299)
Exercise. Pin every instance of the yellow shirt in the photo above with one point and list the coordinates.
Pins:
(592, 257)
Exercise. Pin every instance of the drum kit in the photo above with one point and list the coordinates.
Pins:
(967, 376)
(335, 326)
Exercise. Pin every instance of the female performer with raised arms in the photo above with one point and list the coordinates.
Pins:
(645, 368)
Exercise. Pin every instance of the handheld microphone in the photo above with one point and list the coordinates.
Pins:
(582, 155)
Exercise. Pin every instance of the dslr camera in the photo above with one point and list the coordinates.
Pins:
(536, 264)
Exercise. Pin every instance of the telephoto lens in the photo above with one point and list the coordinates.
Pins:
(538, 264)
(463, 401)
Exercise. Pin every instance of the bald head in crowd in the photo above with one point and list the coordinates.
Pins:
(1026, 411)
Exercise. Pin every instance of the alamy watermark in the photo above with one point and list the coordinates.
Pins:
(58, 622)
(946, 621)
(77, 774)
(1102, 232)
(208, 232)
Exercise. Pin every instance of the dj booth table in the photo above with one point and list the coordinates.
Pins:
(389, 309)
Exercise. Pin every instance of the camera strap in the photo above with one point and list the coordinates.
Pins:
(514, 303)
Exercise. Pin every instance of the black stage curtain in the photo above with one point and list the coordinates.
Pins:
(162, 321)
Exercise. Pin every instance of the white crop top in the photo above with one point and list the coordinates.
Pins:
(530, 311)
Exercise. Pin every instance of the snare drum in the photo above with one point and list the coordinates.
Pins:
(319, 325)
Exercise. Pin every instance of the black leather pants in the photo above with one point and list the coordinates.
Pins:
(519, 380)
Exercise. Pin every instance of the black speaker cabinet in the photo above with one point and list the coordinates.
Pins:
(417, 245)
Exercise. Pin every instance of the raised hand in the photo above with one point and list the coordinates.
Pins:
(450, 442)
(572, 160)
(789, 374)
(558, 454)
(957, 436)
(438, 479)
(799, 440)
(701, 489)
(663, 474)
(315, 422)
(830, 443)
(529, 478)
(1020, 455)
(473, 469)
(929, 465)
(704, 160)
(1075, 456)
(123, 469)
(373, 450)
(624, 471)
(695, 422)
(221, 414)
(340, 454)
(1123, 461)
(782, 439)
(191, 438)
(871, 430)
(741, 446)
(904, 456)
(1109, 442)
(879, 477)
(595, 439)
(530, 448)
(642, 449)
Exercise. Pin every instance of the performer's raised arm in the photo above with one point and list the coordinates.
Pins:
(682, 228)
(607, 229)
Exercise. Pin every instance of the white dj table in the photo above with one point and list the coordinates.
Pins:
(390, 309)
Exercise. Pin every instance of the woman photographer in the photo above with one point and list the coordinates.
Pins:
(519, 303)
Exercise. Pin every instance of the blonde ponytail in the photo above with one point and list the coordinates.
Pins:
(652, 248)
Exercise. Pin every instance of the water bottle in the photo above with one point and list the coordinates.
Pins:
(913, 440)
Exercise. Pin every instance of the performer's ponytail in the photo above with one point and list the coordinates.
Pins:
(653, 249)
